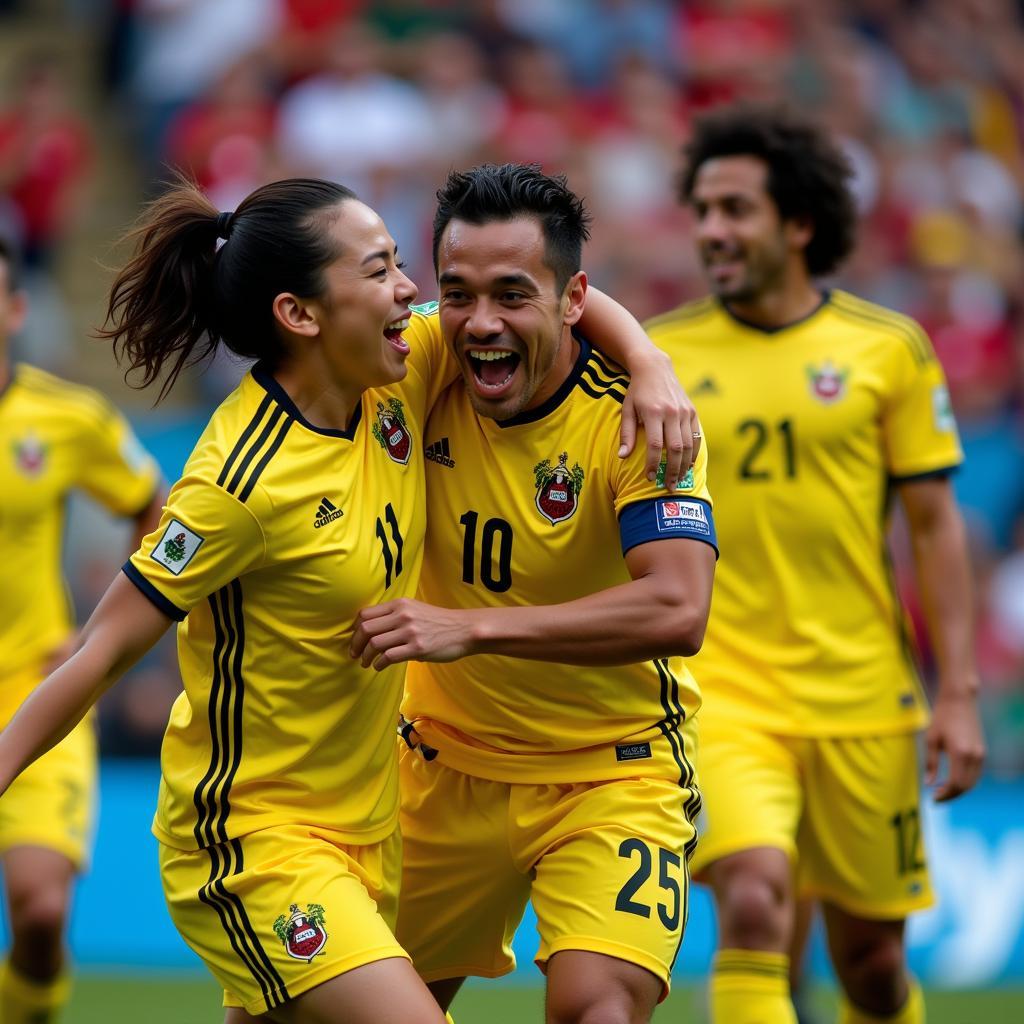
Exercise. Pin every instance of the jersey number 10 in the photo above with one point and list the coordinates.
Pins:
(495, 532)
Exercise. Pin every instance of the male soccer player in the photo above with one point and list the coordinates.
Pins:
(558, 759)
(54, 437)
(823, 407)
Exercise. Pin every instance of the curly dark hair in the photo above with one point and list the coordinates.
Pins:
(490, 192)
(808, 175)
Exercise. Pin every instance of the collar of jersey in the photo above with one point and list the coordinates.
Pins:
(266, 380)
(564, 389)
(826, 297)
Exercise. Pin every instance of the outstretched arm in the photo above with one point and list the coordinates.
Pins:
(661, 612)
(656, 400)
(122, 628)
(943, 574)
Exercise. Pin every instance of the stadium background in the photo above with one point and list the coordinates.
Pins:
(100, 98)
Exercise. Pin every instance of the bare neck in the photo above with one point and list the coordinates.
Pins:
(568, 352)
(322, 403)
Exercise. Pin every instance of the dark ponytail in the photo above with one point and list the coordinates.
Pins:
(180, 296)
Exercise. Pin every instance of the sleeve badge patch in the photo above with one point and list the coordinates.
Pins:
(426, 308)
(683, 517)
(174, 550)
(942, 411)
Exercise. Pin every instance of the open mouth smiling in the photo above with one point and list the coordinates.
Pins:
(493, 369)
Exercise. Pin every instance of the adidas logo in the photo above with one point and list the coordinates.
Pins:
(707, 386)
(439, 452)
(326, 513)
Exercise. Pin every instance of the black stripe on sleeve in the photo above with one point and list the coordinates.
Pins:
(589, 389)
(932, 474)
(268, 455)
(260, 441)
(171, 610)
(604, 380)
(240, 444)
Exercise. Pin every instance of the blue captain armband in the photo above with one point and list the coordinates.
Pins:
(667, 519)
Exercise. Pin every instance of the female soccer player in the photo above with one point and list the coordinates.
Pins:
(301, 503)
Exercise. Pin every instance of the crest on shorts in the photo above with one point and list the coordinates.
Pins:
(558, 488)
(30, 455)
(827, 384)
(302, 932)
(391, 431)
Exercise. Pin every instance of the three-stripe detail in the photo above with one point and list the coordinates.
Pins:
(675, 715)
(212, 797)
(599, 378)
(226, 860)
(249, 457)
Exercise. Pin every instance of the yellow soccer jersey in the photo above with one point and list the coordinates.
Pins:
(812, 424)
(538, 510)
(276, 535)
(54, 437)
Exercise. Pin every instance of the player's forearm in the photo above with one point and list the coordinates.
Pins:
(614, 330)
(632, 622)
(53, 709)
(944, 579)
(122, 628)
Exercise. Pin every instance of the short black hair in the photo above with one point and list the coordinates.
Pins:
(808, 174)
(11, 255)
(490, 192)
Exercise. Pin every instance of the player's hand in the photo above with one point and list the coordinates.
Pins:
(408, 630)
(656, 400)
(956, 733)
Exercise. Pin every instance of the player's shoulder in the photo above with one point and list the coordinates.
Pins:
(242, 435)
(66, 399)
(601, 379)
(688, 315)
(882, 323)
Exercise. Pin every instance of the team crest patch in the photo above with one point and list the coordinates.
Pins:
(302, 932)
(391, 431)
(30, 455)
(174, 550)
(827, 384)
(558, 488)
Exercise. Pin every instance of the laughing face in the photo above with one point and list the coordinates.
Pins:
(744, 244)
(503, 316)
(365, 304)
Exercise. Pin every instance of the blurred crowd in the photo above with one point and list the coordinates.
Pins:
(927, 96)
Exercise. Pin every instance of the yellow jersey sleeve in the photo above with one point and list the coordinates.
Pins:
(112, 466)
(918, 427)
(430, 357)
(647, 512)
(205, 539)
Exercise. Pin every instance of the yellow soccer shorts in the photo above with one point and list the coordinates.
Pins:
(845, 810)
(605, 865)
(53, 802)
(277, 912)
